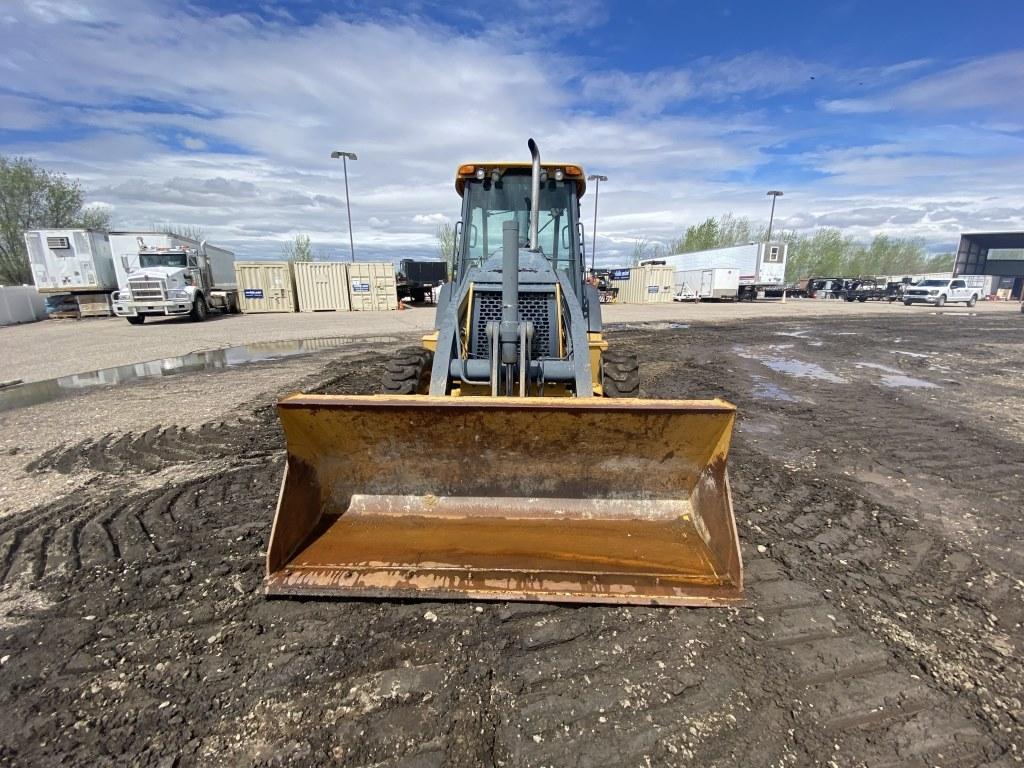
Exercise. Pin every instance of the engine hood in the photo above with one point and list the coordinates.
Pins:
(170, 274)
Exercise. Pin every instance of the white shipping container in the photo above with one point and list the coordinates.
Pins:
(648, 284)
(322, 286)
(372, 286)
(125, 246)
(709, 283)
(265, 286)
(758, 264)
(70, 261)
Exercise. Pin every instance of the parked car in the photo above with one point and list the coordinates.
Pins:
(939, 292)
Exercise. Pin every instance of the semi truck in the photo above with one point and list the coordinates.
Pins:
(168, 275)
(761, 266)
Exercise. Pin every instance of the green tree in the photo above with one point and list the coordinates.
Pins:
(715, 232)
(299, 249)
(34, 198)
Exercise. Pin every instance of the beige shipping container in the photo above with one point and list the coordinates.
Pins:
(372, 286)
(650, 284)
(322, 286)
(265, 286)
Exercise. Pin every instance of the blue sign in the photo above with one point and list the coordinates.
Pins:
(620, 274)
(652, 289)
(254, 293)
(360, 287)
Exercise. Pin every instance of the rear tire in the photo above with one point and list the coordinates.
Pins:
(137, 320)
(408, 372)
(199, 310)
(972, 301)
(620, 374)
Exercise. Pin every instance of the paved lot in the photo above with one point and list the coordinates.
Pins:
(61, 347)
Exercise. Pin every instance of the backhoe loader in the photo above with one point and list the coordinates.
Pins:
(511, 457)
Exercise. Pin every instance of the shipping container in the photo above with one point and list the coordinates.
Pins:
(265, 286)
(322, 286)
(647, 284)
(760, 265)
(709, 283)
(70, 261)
(372, 286)
(125, 247)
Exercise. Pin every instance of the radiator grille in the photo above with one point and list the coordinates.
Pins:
(538, 308)
(146, 290)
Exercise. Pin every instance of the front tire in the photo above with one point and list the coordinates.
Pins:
(941, 301)
(137, 320)
(907, 303)
(199, 309)
(620, 374)
(408, 372)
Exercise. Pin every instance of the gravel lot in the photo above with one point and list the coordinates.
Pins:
(877, 482)
(61, 347)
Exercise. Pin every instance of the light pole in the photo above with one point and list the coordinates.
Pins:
(597, 191)
(345, 157)
(772, 193)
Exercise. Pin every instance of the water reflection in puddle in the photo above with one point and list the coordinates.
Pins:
(766, 390)
(895, 378)
(791, 367)
(212, 360)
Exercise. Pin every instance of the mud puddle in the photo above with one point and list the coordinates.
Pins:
(896, 379)
(37, 392)
(791, 366)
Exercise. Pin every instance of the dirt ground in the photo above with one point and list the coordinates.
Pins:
(877, 480)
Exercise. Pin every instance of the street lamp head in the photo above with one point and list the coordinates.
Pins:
(348, 155)
(596, 177)
(774, 193)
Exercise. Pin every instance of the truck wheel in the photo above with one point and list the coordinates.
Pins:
(199, 309)
(972, 301)
(940, 301)
(862, 299)
(620, 374)
(137, 320)
(907, 303)
(233, 308)
(408, 372)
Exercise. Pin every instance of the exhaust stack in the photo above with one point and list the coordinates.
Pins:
(534, 197)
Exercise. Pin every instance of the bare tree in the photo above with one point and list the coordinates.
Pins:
(299, 249)
(188, 231)
(446, 245)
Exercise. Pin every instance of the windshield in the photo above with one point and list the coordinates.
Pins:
(489, 205)
(163, 260)
(934, 283)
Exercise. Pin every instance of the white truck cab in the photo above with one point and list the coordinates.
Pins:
(941, 291)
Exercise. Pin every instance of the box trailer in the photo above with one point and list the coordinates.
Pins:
(417, 279)
(761, 266)
(70, 261)
(707, 283)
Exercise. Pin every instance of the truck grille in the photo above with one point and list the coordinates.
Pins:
(538, 308)
(147, 290)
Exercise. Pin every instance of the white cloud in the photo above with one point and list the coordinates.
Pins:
(197, 145)
(377, 223)
(432, 219)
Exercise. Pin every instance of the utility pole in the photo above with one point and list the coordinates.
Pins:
(345, 157)
(597, 179)
(772, 193)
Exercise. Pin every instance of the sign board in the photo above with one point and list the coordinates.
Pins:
(358, 286)
(254, 293)
(620, 274)
(652, 289)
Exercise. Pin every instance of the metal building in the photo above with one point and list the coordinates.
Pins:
(993, 253)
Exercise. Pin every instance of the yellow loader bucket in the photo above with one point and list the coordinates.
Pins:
(587, 500)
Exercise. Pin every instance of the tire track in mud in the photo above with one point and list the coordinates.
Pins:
(83, 531)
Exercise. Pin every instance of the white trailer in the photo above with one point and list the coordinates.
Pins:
(72, 261)
(707, 283)
(760, 265)
(161, 274)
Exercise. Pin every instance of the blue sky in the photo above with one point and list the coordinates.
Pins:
(902, 118)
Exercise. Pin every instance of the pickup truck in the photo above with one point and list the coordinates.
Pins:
(939, 292)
